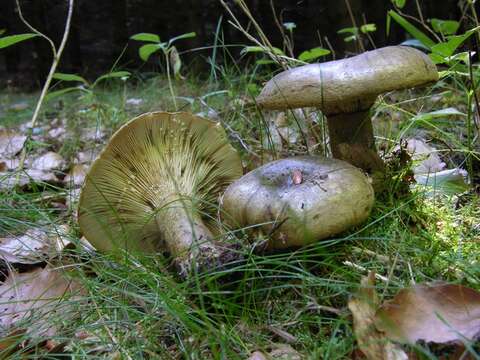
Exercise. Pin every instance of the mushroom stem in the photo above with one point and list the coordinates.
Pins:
(351, 139)
(185, 235)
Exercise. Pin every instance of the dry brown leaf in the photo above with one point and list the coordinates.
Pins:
(428, 160)
(434, 313)
(86, 157)
(48, 162)
(33, 300)
(11, 142)
(284, 352)
(9, 164)
(76, 176)
(35, 246)
(280, 352)
(92, 134)
(371, 342)
(257, 355)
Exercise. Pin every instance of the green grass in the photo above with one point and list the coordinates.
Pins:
(139, 309)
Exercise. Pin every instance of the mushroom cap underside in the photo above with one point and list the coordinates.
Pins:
(351, 84)
(154, 161)
(296, 201)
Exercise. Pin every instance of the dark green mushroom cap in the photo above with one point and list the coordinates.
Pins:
(351, 84)
(155, 185)
(300, 200)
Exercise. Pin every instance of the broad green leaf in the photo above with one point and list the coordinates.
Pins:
(438, 114)
(2, 31)
(259, 49)
(399, 3)
(349, 30)
(448, 48)
(69, 77)
(313, 54)
(146, 50)
(350, 38)
(368, 28)
(146, 37)
(183, 36)
(445, 27)
(264, 62)
(115, 74)
(54, 94)
(412, 29)
(7, 41)
(437, 59)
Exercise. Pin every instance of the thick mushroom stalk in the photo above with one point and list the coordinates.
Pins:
(345, 90)
(154, 186)
(297, 201)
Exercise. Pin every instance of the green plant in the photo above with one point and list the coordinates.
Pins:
(10, 40)
(170, 52)
(355, 33)
(85, 86)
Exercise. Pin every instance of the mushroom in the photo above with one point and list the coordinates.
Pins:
(345, 90)
(154, 187)
(299, 200)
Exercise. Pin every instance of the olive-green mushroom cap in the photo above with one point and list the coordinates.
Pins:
(300, 200)
(154, 160)
(351, 84)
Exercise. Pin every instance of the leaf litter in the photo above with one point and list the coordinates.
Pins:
(438, 314)
(33, 300)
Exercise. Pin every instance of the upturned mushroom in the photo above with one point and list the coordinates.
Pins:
(154, 188)
(297, 201)
(345, 90)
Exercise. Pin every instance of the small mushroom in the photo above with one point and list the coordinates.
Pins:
(300, 200)
(345, 90)
(154, 188)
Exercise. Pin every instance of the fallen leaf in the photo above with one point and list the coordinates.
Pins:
(434, 313)
(35, 246)
(134, 101)
(86, 157)
(9, 180)
(428, 160)
(284, 352)
(57, 133)
(92, 135)
(49, 162)
(371, 342)
(280, 352)
(18, 106)
(9, 164)
(11, 143)
(451, 181)
(257, 355)
(76, 176)
(32, 300)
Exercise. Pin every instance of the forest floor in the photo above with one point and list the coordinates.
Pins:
(293, 302)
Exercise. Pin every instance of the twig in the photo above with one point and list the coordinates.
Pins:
(56, 59)
(362, 269)
(264, 43)
(354, 24)
(286, 40)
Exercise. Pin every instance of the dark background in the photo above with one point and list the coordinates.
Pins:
(101, 30)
